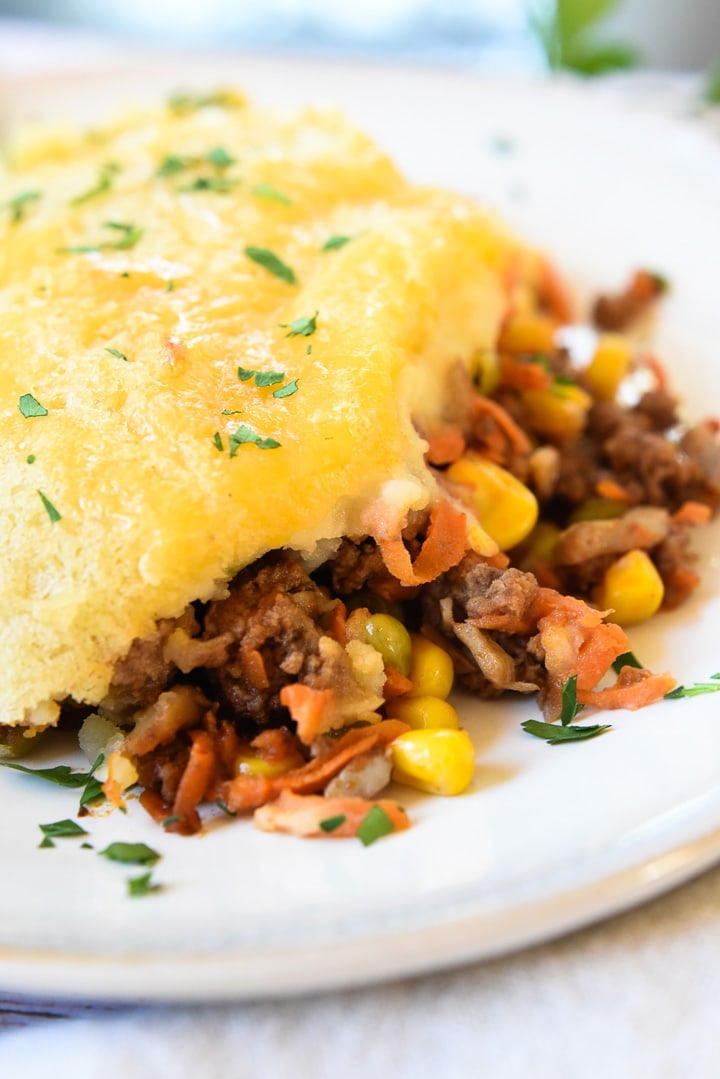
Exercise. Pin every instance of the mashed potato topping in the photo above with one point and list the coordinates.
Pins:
(220, 330)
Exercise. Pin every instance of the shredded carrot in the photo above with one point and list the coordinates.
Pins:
(516, 375)
(485, 406)
(554, 292)
(338, 623)
(227, 744)
(304, 814)
(307, 707)
(444, 546)
(249, 791)
(153, 803)
(278, 744)
(194, 784)
(445, 446)
(253, 668)
(576, 640)
(633, 689)
(610, 489)
(692, 513)
(395, 683)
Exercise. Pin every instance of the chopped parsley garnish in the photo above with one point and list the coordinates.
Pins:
(330, 824)
(218, 442)
(171, 164)
(660, 281)
(262, 378)
(103, 184)
(171, 820)
(130, 234)
(30, 458)
(334, 242)
(270, 262)
(225, 808)
(117, 354)
(62, 775)
(246, 436)
(86, 846)
(375, 825)
(287, 390)
(554, 735)
(45, 842)
(308, 350)
(570, 707)
(627, 659)
(30, 406)
(698, 689)
(62, 828)
(93, 789)
(142, 885)
(19, 204)
(170, 286)
(305, 326)
(130, 854)
(220, 158)
(267, 191)
(52, 512)
(210, 183)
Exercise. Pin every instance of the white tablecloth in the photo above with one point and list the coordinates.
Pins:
(634, 997)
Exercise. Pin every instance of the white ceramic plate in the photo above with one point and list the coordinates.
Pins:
(549, 838)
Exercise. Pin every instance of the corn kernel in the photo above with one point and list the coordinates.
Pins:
(485, 370)
(431, 669)
(632, 587)
(525, 332)
(560, 411)
(385, 633)
(424, 713)
(608, 366)
(434, 760)
(247, 764)
(505, 507)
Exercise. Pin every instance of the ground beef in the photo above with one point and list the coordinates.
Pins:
(617, 311)
(275, 612)
(141, 676)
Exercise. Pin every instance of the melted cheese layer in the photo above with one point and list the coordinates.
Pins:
(152, 514)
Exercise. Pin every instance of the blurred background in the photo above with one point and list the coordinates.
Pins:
(588, 36)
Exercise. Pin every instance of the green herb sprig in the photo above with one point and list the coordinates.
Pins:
(272, 263)
(566, 32)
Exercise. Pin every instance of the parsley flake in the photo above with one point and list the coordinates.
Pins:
(301, 327)
(130, 853)
(62, 828)
(142, 885)
(262, 378)
(117, 354)
(218, 442)
(330, 824)
(225, 808)
(627, 659)
(30, 458)
(375, 825)
(30, 406)
(52, 513)
(287, 390)
(554, 735)
(698, 689)
(335, 242)
(19, 204)
(172, 164)
(221, 184)
(170, 286)
(171, 820)
(267, 191)
(46, 842)
(220, 158)
(246, 436)
(570, 707)
(130, 234)
(270, 262)
(62, 775)
(103, 184)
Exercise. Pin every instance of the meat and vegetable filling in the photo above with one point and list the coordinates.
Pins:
(302, 692)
